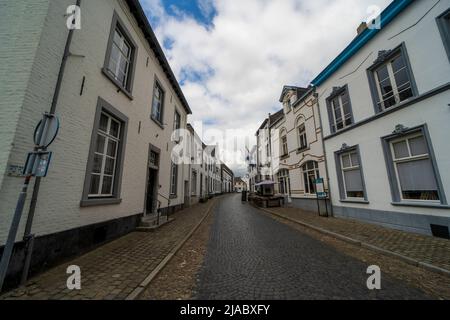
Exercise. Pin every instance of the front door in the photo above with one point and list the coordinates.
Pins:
(151, 190)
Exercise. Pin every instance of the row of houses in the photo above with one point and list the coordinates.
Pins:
(374, 124)
(122, 115)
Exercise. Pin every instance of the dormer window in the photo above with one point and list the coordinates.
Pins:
(292, 100)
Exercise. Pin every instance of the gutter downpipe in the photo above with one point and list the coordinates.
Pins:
(316, 95)
(28, 237)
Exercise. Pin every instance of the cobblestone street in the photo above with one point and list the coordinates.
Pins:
(252, 256)
(239, 252)
(114, 270)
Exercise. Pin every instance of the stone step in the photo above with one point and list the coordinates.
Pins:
(149, 225)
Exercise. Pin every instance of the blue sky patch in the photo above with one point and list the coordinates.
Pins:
(201, 10)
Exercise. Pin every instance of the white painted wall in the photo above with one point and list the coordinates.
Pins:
(431, 69)
(58, 205)
(307, 112)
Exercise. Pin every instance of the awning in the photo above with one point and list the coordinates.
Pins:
(265, 183)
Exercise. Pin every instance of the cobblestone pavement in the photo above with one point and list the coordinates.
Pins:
(114, 270)
(252, 256)
(423, 248)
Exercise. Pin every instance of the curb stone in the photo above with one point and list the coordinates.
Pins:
(142, 286)
(369, 246)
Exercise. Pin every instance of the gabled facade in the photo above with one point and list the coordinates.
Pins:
(297, 149)
(385, 115)
(227, 178)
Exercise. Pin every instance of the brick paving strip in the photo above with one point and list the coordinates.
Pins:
(120, 269)
(419, 250)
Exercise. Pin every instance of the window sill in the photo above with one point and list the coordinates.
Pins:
(157, 122)
(300, 150)
(421, 205)
(117, 84)
(354, 201)
(173, 196)
(99, 202)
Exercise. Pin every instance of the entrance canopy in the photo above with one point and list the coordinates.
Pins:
(265, 183)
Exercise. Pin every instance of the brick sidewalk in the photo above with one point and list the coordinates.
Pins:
(114, 270)
(422, 248)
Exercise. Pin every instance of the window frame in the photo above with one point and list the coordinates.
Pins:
(337, 93)
(173, 187)
(176, 125)
(194, 182)
(87, 200)
(316, 173)
(117, 23)
(394, 182)
(302, 134)
(340, 174)
(384, 59)
(159, 122)
(444, 30)
(284, 175)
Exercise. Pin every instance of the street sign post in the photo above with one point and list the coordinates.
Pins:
(321, 194)
(46, 131)
(37, 164)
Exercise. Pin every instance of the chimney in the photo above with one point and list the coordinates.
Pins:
(361, 28)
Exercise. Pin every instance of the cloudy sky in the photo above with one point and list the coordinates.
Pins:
(232, 57)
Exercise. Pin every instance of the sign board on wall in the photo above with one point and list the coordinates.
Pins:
(320, 189)
(14, 170)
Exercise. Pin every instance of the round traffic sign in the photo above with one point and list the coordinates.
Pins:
(46, 131)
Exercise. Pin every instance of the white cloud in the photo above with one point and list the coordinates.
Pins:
(252, 49)
(206, 7)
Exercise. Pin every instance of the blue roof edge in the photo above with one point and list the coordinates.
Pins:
(388, 14)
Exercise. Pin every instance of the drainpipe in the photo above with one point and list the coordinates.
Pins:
(28, 237)
(270, 147)
(316, 95)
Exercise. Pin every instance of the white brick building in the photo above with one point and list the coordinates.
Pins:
(118, 105)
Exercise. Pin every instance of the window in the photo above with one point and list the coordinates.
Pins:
(120, 56)
(177, 125)
(177, 121)
(104, 167)
(283, 143)
(413, 168)
(154, 158)
(310, 173)
(194, 183)
(443, 22)
(284, 182)
(391, 79)
(339, 109)
(350, 178)
(413, 172)
(105, 157)
(173, 178)
(302, 140)
(158, 103)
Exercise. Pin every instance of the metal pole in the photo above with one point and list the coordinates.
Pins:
(7, 252)
(316, 96)
(318, 204)
(27, 234)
